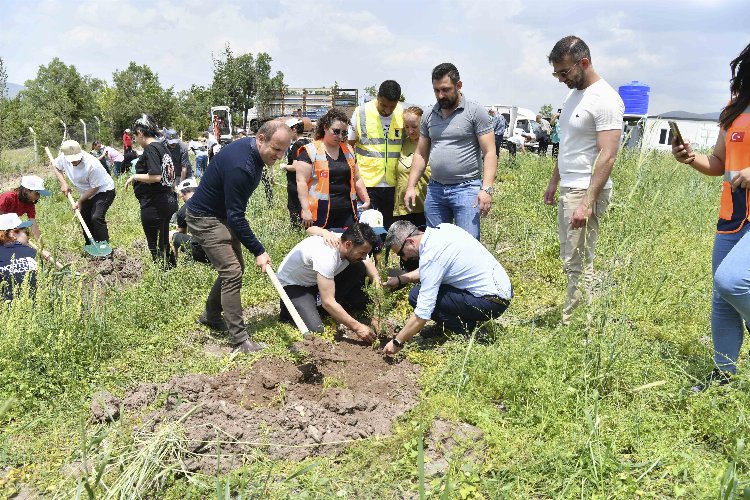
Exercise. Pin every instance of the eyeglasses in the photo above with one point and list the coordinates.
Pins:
(564, 73)
(338, 131)
(400, 253)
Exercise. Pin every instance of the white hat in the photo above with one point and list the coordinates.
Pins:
(374, 219)
(187, 184)
(127, 130)
(34, 183)
(72, 150)
(12, 221)
(291, 122)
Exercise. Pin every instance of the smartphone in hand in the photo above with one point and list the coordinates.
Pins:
(676, 132)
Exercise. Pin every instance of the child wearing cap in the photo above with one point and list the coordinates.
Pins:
(179, 239)
(17, 260)
(22, 201)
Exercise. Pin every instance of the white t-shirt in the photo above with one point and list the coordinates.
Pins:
(199, 148)
(309, 258)
(86, 175)
(354, 136)
(584, 113)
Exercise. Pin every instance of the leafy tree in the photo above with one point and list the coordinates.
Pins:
(58, 93)
(546, 111)
(137, 90)
(194, 106)
(243, 81)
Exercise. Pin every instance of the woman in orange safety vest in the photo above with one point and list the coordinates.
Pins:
(731, 255)
(328, 181)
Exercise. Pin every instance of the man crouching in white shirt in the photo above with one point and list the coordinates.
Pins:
(461, 283)
(333, 265)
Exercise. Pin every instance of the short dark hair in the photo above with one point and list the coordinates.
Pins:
(390, 89)
(146, 124)
(299, 128)
(360, 233)
(569, 46)
(333, 114)
(446, 69)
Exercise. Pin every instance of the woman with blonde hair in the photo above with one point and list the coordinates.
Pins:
(412, 118)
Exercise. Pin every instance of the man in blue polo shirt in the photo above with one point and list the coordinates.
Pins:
(216, 218)
(457, 138)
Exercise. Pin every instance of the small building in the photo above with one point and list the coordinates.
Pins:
(653, 132)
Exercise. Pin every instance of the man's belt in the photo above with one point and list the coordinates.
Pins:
(497, 300)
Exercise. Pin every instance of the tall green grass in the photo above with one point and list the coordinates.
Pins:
(600, 408)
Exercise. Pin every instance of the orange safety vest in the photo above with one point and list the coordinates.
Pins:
(318, 187)
(735, 206)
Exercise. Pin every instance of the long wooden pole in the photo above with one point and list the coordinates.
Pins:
(287, 302)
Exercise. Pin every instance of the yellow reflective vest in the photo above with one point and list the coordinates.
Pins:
(377, 155)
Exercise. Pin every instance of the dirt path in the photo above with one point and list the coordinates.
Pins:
(340, 392)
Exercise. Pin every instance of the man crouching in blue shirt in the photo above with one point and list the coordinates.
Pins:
(216, 218)
(461, 283)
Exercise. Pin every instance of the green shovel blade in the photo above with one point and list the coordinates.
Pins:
(98, 249)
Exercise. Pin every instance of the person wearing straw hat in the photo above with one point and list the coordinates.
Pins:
(22, 201)
(95, 186)
(17, 260)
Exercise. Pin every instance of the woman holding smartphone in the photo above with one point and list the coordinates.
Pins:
(730, 158)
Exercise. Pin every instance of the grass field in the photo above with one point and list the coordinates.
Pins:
(598, 409)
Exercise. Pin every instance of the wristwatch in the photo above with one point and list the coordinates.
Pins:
(488, 189)
(397, 342)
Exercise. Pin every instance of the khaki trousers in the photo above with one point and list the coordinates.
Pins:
(224, 251)
(577, 245)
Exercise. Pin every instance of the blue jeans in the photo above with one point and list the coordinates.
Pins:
(453, 202)
(201, 162)
(731, 296)
(458, 310)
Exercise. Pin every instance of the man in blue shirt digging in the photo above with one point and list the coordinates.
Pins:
(461, 283)
(216, 218)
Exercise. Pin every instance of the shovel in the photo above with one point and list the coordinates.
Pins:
(288, 303)
(94, 248)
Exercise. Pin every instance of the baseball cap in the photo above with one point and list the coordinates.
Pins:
(72, 150)
(34, 183)
(12, 221)
(187, 184)
(291, 122)
(127, 130)
(374, 219)
(171, 136)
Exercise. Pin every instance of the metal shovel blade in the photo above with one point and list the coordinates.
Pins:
(98, 249)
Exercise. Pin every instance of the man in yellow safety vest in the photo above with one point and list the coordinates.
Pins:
(376, 133)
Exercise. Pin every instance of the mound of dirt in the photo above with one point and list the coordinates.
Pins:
(119, 270)
(341, 392)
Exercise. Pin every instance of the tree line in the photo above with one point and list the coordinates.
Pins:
(60, 93)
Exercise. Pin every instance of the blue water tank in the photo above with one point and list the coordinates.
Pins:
(635, 97)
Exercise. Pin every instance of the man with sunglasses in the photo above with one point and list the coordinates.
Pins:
(590, 130)
(461, 283)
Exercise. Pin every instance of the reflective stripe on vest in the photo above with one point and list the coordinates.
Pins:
(734, 209)
(318, 187)
(377, 156)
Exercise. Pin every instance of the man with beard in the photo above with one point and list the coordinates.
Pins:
(332, 266)
(21, 201)
(454, 136)
(590, 129)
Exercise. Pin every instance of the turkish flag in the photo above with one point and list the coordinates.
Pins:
(737, 137)
(324, 174)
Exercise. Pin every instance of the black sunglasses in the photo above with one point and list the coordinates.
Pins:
(400, 253)
(338, 131)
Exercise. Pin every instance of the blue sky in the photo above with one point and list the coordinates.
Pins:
(681, 49)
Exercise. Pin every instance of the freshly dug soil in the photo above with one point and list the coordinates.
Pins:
(340, 392)
(121, 269)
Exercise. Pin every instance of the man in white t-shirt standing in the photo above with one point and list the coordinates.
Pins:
(333, 267)
(590, 130)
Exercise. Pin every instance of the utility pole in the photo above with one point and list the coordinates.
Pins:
(36, 154)
(65, 129)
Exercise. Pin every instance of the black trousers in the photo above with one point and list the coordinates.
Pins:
(349, 293)
(94, 213)
(383, 199)
(156, 212)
